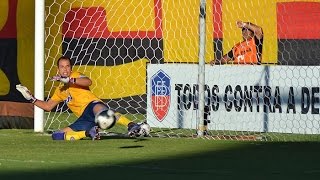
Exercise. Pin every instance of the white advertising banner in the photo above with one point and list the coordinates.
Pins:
(241, 98)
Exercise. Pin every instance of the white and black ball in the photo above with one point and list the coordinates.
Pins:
(144, 129)
(106, 119)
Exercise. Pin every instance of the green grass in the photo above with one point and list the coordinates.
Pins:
(28, 155)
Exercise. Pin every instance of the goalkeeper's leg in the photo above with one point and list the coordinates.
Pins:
(69, 135)
(76, 135)
(121, 119)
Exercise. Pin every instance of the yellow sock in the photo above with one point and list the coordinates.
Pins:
(73, 135)
(122, 119)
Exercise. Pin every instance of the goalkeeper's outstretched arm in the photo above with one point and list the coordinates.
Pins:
(45, 105)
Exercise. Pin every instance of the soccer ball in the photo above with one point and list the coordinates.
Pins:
(106, 119)
(144, 129)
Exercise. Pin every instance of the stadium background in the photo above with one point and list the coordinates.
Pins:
(154, 39)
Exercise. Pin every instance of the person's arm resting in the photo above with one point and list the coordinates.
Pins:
(227, 57)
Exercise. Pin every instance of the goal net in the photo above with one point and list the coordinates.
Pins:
(143, 59)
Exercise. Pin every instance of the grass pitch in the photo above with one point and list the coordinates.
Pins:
(28, 155)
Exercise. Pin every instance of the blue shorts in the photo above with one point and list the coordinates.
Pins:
(87, 120)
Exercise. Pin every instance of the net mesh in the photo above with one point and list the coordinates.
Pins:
(142, 57)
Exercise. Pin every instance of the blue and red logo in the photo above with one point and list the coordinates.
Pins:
(160, 94)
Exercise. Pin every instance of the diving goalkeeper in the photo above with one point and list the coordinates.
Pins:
(74, 90)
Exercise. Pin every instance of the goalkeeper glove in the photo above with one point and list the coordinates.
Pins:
(26, 93)
(64, 80)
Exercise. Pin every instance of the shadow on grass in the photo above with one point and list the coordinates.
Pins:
(256, 160)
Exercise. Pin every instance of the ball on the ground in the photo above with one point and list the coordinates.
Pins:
(145, 129)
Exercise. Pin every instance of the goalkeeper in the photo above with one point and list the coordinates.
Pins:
(249, 51)
(75, 91)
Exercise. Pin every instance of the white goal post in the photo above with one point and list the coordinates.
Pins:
(39, 64)
(150, 60)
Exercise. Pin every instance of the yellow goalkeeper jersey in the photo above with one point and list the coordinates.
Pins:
(76, 97)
